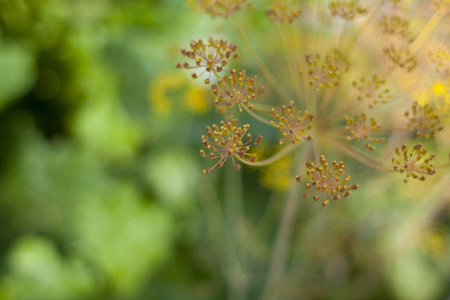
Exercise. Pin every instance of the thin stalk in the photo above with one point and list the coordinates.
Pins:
(266, 72)
(256, 116)
(263, 107)
(290, 61)
(425, 33)
(220, 237)
(271, 159)
(278, 261)
(234, 212)
(361, 157)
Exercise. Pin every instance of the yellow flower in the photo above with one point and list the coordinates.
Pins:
(439, 89)
(160, 89)
(196, 100)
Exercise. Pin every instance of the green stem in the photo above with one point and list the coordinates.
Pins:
(271, 159)
(425, 33)
(266, 72)
(277, 265)
(256, 116)
(234, 212)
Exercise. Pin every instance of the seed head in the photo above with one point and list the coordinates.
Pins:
(236, 88)
(281, 12)
(225, 141)
(221, 8)
(329, 73)
(396, 26)
(410, 162)
(293, 124)
(326, 181)
(359, 130)
(441, 59)
(372, 91)
(212, 56)
(424, 120)
(347, 10)
(400, 57)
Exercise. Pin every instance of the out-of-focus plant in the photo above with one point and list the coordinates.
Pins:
(393, 62)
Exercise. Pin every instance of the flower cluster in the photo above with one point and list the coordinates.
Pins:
(443, 6)
(372, 91)
(211, 56)
(225, 141)
(281, 12)
(441, 59)
(236, 88)
(347, 10)
(325, 181)
(221, 8)
(293, 124)
(359, 130)
(410, 162)
(396, 26)
(329, 73)
(400, 57)
(424, 120)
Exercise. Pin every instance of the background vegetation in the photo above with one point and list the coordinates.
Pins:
(101, 190)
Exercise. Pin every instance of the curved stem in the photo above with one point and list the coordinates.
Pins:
(256, 116)
(271, 159)
(361, 157)
(263, 107)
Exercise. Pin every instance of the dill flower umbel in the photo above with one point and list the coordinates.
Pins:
(400, 57)
(441, 59)
(293, 124)
(396, 26)
(424, 120)
(347, 10)
(221, 8)
(325, 182)
(443, 6)
(225, 141)
(359, 130)
(329, 73)
(212, 56)
(410, 162)
(281, 12)
(372, 90)
(236, 88)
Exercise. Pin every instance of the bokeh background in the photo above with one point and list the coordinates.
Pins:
(102, 194)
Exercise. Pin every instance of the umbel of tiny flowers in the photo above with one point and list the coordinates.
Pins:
(221, 8)
(443, 6)
(396, 26)
(372, 90)
(410, 162)
(325, 183)
(329, 73)
(212, 56)
(441, 59)
(424, 120)
(226, 141)
(236, 88)
(347, 10)
(400, 57)
(293, 124)
(281, 12)
(360, 130)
